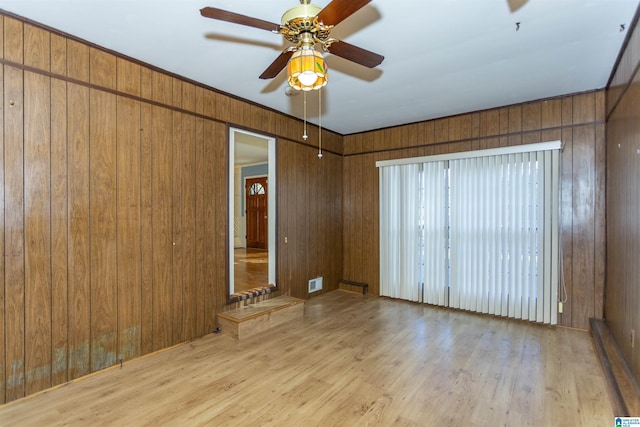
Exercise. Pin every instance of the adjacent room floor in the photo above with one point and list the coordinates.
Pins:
(353, 360)
(251, 268)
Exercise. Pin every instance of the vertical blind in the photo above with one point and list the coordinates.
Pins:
(476, 231)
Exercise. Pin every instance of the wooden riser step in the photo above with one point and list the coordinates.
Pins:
(254, 318)
(355, 287)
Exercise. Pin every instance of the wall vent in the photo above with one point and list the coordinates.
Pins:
(315, 284)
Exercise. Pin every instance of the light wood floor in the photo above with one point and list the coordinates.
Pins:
(250, 269)
(353, 360)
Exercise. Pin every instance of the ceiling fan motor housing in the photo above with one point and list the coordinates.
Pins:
(301, 11)
(303, 19)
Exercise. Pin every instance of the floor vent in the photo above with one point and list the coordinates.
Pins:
(315, 284)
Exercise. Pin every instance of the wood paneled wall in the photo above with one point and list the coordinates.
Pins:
(113, 197)
(622, 297)
(310, 235)
(578, 121)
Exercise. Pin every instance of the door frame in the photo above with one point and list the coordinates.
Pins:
(271, 201)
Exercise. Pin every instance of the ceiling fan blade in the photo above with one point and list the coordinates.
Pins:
(279, 64)
(339, 10)
(236, 18)
(356, 54)
(516, 4)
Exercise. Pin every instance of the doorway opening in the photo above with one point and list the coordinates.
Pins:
(252, 211)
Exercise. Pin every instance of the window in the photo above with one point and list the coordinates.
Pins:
(476, 231)
(256, 189)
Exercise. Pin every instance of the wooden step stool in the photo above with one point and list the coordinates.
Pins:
(254, 318)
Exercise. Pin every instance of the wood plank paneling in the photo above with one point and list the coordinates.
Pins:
(199, 229)
(490, 123)
(308, 252)
(583, 224)
(441, 131)
(3, 353)
(551, 113)
(102, 229)
(14, 285)
(128, 77)
(37, 48)
(13, 40)
(566, 224)
(515, 125)
(59, 237)
(623, 204)
(179, 173)
(103, 68)
(599, 219)
(162, 204)
(146, 224)
(37, 226)
(584, 108)
(348, 201)
(78, 240)
(221, 107)
(77, 61)
(370, 212)
(358, 198)
(58, 55)
(211, 245)
(301, 234)
(284, 153)
(188, 217)
(2, 56)
(220, 134)
(128, 227)
(531, 116)
(199, 100)
(162, 88)
(567, 111)
(460, 127)
(146, 195)
(209, 104)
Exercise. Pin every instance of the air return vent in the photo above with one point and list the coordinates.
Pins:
(315, 284)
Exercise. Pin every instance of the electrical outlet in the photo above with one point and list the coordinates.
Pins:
(633, 338)
(560, 308)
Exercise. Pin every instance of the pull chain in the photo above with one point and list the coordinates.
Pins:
(320, 123)
(304, 135)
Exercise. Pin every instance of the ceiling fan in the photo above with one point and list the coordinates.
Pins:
(306, 25)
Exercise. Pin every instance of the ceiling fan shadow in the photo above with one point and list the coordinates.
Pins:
(275, 83)
(363, 18)
(514, 5)
(352, 69)
(232, 39)
(296, 107)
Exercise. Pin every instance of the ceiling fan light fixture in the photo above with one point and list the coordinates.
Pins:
(307, 70)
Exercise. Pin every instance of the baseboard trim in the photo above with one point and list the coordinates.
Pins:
(623, 388)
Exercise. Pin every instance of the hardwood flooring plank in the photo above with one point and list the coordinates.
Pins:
(352, 360)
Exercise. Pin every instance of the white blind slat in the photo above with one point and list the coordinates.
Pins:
(501, 246)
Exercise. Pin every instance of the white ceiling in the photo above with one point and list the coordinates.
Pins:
(442, 57)
(249, 149)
